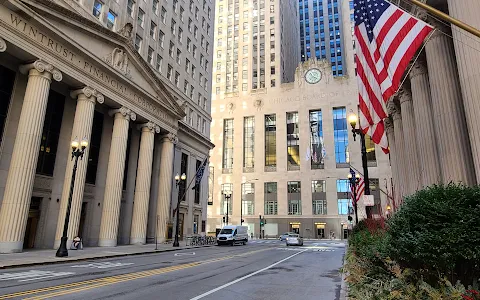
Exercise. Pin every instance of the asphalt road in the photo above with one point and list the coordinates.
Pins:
(259, 270)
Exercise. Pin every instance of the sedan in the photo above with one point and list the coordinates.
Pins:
(294, 239)
(284, 236)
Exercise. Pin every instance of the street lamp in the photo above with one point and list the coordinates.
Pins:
(353, 119)
(241, 204)
(353, 183)
(78, 149)
(228, 195)
(178, 179)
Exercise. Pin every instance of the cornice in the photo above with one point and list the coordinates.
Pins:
(195, 135)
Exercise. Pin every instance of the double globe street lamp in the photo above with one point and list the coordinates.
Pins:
(228, 195)
(78, 150)
(178, 179)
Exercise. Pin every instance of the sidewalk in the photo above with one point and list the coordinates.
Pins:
(47, 256)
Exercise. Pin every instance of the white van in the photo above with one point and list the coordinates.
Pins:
(233, 234)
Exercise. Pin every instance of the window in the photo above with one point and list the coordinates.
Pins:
(343, 195)
(141, 17)
(227, 199)
(155, 7)
(130, 7)
(94, 147)
(193, 71)
(270, 198)
(190, 7)
(150, 55)
(219, 66)
(317, 147)
(189, 45)
(370, 147)
(197, 187)
(185, 87)
(205, 83)
(180, 35)
(50, 134)
(177, 78)
(159, 63)
(248, 199)
(248, 142)
(270, 140)
(244, 87)
(182, 183)
(190, 23)
(227, 144)
(272, 83)
(340, 135)
(217, 90)
(172, 27)
(196, 12)
(171, 49)
(294, 198)
(194, 51)
(97, 9)
(293, 145)
(161, 38)
(319, 200)
(209, 13)
(169, 72)
(187, 65)
(195, 32)
(204, 103)
(343, 206)
(175, 6)
(179, 53)
(204, 126)
(138, 43)
(182, 13)
(208, 29)
(111, 19)
(272, 9)
(163, 15)
(245, 49)
(192, 90)
(153, 30)
(219, 53)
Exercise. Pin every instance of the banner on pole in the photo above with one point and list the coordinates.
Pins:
(368, 200)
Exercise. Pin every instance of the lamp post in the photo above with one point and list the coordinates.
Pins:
(178, 179)
(353, 119)
(354, 180)
(78, 149)
(228, 195)
(241, 204)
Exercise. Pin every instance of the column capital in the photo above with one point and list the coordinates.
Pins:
(126, 112)
(404, 94)
(3, 45)
(88, 92)
(170, 137)
(419, 68)
(154, 128)
(393, 109)
(42, 66)
(388, 125)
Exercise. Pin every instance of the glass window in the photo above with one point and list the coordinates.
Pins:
(294, 198)
(293, 141)
(169, 72)
(153, 29)
(340, 135)
(197, 187)
(97, 9)
(319, 207)
(171, 49)
(150, 55)
(271, 140)
(370, 147)
(138, 43)
(270, 198)
(159, 63)
(343, 206)
(317, 147)
(227, 144)
(94, 147)
(177, 78)
(130, 7)
(155, 7)
(248, 198)
(227, 201)
(163, 15)
(179, 54)
(111, 19)
(182, 183)
(161, 38)
(141, 17)
(248, 142)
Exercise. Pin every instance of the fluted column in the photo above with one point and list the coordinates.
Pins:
(21, 173)
(165, 184)
(403, 181)
(82, 129)
(142, 187)
(430, 172)
(397, 195)
(453, 144)
(409, 137)
(468, 62)
(113, 186)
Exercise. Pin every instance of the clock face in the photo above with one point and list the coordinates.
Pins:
(313, 76)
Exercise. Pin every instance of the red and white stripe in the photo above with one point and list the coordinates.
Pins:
(360, 190)
(382, 63)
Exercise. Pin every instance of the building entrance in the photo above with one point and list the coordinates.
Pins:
(32, 223)
(320, 230)
(295, 227)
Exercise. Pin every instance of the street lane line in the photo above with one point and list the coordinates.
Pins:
(245, 277)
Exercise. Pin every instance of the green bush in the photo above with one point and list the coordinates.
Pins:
(436, 231)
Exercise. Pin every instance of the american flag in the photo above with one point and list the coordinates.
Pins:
(360, 186)
(199, 174)
(386, 39)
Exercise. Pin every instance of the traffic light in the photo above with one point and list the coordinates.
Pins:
(261, 220)
(243, 221)
(223, 219)
(350, 218)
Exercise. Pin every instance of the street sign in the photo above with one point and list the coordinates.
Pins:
(368, 200)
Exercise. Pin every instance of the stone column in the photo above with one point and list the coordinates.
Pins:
(468, 62)
(21, 174)
(82, 129)
(409, 136)
(424, 124)
(165, 184)
(403, 181)
(113, 187)
(142, 188)
(397, 196)
(454, 150)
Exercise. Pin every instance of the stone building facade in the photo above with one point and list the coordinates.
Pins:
(65, 76)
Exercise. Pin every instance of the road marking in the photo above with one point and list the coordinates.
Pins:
(103, 265)
(75, 287)
(183, 254)
(291, 249)
(32, 275)
(245, 277)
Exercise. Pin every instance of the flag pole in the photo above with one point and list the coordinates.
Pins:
(446, 17)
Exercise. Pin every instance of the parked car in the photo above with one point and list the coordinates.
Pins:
(294, 240)
(285, 235)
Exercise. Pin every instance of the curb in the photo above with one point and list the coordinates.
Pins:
(98, 257)
(343, 286)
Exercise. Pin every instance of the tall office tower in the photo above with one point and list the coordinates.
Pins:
(256, 45)
(322, 31)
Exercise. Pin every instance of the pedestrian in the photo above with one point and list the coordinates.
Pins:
(76, 244)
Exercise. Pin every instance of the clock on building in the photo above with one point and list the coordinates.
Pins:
(313, 76)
